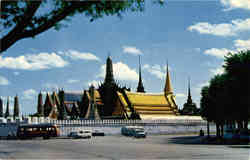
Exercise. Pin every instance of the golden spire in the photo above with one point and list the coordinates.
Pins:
(168, 87)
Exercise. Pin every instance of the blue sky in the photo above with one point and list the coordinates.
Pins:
(193, 36)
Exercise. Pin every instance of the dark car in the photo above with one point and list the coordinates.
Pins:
(98, 133)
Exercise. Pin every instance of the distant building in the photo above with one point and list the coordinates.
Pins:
(189, 108)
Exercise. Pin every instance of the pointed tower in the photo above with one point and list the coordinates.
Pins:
(108, 89)
(40, 109)
(109, 78)
(62, 113)
(140, 87)
(168, 87)
(7, 113)
(1, 107)
(189, 108)
(16, 107)
(189, 100)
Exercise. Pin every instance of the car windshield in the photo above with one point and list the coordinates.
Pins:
(140, 132)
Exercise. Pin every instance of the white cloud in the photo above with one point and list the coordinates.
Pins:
(233, 4)
(155, 70)
(131, 50)
(73, 81)
(180, 95)
(4, 81)
(75, 55)
(219, 53)
(223, 29)
(94, 82)
(29, 94)
(198, 87)
(242, 44)
(121, 72)
(218, 70)
(33, 61)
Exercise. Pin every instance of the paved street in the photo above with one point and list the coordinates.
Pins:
(119, 147)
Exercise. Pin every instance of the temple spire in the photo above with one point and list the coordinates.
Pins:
(7, 113)
(109, 78)
(140, 87)
(1, 107)
(168, 87)
(189, 100)
(16, 107)
(40, 109)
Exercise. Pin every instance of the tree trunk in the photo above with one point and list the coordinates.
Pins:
(245, 124)
(240, 125)
(217, 130)
(222, 130)
(208, 129)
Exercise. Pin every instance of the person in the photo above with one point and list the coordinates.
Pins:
(201, 132)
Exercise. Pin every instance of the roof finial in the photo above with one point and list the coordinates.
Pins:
(189, 92)
(168, 87)
(140, 87)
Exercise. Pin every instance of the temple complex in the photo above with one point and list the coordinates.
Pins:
(111, 101)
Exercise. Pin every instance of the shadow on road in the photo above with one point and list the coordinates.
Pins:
(244, 146)
(186, 140)
(208, 141)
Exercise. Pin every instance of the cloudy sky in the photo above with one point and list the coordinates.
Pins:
(193, 36)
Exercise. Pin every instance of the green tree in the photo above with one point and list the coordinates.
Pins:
(22, 19)
(237, 66)
(219, 100)
(226, 99)
(206, 111)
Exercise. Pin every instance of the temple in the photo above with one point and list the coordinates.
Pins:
(150, 105)
(189, 108)
(110, 101)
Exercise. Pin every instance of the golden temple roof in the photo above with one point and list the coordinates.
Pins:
(145, 99)
(151, 105)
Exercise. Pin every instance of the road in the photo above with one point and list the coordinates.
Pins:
(120, 147)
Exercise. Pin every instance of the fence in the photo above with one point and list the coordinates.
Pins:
(172, 125)
(169, 126)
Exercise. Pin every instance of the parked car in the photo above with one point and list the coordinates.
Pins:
(98, 133)
(80, 134)
(133, 131)
(138, 133)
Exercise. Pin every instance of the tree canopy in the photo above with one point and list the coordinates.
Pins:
(227, 98)
(25, 19)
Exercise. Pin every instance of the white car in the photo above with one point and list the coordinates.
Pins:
(80, 134)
